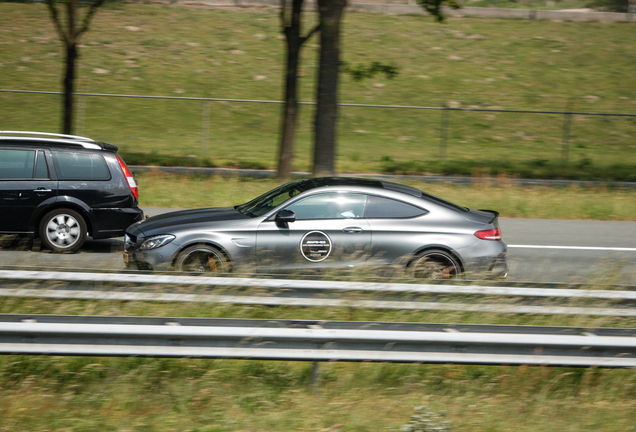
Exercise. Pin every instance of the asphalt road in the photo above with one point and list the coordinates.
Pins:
(539, 251)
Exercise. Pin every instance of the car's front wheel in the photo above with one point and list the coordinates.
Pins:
(202, 259)
(435, 264)
(63, 230)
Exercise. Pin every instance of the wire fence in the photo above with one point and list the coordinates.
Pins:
(444, 127)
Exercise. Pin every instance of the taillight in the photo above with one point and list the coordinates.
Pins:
(129, 177)
(491, 234)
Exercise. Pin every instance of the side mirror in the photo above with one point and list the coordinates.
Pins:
(285, 217)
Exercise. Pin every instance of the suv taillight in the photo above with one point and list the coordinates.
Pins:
(129, 177)
(491, 234)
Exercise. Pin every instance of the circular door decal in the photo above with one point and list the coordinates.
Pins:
(315, 246)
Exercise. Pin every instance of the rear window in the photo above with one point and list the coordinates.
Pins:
(386, 208)
(81, 166)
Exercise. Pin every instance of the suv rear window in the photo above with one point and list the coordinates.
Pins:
(80, 166)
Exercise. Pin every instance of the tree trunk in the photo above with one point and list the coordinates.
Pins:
(69, 75)
(290, 109)
(69, 82)
(330, 12)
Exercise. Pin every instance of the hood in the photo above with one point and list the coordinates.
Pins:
(187, 217)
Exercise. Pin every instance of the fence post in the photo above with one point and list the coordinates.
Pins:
(205, 127)
(81, 109)
(567, 121)
(443, 135)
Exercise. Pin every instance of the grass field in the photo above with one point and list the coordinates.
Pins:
(238, 54)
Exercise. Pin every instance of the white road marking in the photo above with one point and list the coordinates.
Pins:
(590, 248)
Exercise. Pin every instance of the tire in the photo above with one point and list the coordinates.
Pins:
(63, 230)
(202, 259)
(435, 264)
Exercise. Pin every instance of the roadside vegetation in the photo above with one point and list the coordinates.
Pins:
(154, 50)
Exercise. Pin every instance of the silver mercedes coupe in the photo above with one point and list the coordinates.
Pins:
(325, 223)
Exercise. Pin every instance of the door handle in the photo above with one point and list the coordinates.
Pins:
(42, 190)
(352, 230)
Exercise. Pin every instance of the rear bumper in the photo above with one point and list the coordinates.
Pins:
(113, 222)
(499, 268)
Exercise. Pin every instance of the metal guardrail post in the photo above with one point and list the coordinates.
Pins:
(315, 377)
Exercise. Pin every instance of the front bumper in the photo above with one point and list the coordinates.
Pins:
(155, 259)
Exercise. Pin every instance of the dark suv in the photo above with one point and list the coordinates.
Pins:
(62, 188)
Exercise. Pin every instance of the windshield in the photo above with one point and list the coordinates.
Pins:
(266, 202)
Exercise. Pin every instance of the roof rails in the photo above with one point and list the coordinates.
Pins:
(45, 137)
(46, 134)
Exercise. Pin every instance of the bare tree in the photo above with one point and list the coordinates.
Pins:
(70, 32)
(291, 21)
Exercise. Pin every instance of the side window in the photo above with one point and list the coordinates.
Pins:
(80, 166)
(386, 208)
(16, 164)
(330, 206)
(41, 169)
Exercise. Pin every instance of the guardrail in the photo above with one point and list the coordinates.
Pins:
(316, 341)
(289, 292)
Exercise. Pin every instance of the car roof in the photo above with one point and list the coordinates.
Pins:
(53, 139)
(363, 182)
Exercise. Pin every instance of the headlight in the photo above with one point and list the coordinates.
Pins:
(156, 241)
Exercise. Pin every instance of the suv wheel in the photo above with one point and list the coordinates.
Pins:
(63, 230)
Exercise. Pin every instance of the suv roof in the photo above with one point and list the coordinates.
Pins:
(53, 138)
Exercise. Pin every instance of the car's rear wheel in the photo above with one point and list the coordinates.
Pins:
(435, 264)
(63, 230)
(202, 259)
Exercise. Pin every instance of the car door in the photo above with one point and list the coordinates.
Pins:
(329, 231)
(25, 184)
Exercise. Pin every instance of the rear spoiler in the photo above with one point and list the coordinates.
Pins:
(496, 214)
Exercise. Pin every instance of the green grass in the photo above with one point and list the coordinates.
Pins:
(481, 63)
